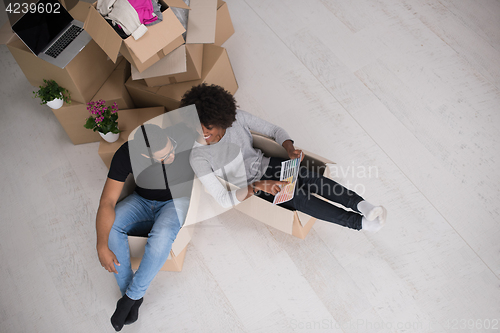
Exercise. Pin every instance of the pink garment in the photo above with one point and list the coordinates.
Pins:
(144, 9)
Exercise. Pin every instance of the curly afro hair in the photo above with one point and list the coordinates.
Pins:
(215, 105)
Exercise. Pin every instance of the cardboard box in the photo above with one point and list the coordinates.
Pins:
(83, 76)
(177, 254)
(113, 90)
(128, 120)
(183, 64)
(216, 69)
(136, 243)
(69, 4)
(160, 39)
(72, 116)
(292, 222)
(289, 221)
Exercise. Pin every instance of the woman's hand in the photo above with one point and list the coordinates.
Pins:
(291, 151)
(270, 186)
(295, 153)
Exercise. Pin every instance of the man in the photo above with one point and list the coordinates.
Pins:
(159, 160)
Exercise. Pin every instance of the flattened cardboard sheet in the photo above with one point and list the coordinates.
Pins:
(201, 22)
(224, 26)
(192, 63)
(172, 63)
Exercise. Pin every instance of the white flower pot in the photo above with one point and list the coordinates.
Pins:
(55, 103)
(110, 137)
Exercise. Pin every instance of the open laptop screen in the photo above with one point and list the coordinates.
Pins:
(38, 29)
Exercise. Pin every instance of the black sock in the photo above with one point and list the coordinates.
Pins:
(133, 315)
(123, 307)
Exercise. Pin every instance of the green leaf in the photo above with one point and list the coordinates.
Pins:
(90, 124)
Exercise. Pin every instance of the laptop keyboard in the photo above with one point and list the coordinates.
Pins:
(63, 41)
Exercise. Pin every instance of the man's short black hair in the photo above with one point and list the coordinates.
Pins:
(215, 105)
(156, 136)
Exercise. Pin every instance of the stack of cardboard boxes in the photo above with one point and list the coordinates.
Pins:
(203, 60)
(147, 79)
(91, 73)
(164, 65)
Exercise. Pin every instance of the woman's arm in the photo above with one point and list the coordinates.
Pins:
(224, 196)
(227, 198)
(260, 125)
(277, 133)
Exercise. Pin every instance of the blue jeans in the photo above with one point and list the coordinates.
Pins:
(160, 221)
(310, 183)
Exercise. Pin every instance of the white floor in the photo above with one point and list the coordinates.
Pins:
(410, 88)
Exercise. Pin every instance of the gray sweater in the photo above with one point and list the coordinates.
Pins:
(233, 158)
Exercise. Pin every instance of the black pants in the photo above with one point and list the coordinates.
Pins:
(310, 182)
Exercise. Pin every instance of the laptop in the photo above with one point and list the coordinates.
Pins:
(52, 34)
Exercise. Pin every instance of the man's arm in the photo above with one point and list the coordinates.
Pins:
(104, 221)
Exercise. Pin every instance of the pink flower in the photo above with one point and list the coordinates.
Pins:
(114, 108)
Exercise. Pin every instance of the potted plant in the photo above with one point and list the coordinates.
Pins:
(103, 119)
(52, 94)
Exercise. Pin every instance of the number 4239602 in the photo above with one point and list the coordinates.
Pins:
(472, 324)
(18, 8)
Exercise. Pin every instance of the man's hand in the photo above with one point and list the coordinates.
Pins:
(270, 186)
(107, 259)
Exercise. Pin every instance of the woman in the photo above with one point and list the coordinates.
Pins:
(228, 151)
